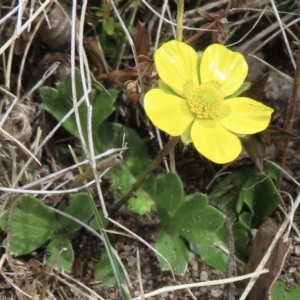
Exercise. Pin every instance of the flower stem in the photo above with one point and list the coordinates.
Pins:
(180, 11)
(179, 30)
(157, 160)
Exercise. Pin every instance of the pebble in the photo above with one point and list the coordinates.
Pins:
(216, 293)
(131, 260)
(297, 250)
(203, 276)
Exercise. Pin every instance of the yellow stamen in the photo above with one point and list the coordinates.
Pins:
(205, 101)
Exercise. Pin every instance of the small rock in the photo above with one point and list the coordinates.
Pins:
(297, 250)
(203, 276)
(131, 260)
(216, 293)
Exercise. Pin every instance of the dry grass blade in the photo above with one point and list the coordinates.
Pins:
(95, 295)
(10, 281)
(11, 138)
(25, 26)
(283, 33)
(201, 284)
(142, 241)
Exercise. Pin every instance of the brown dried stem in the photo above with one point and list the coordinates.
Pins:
(100, 167)
(214, 22)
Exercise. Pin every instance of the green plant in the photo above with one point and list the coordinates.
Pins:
(33, 224)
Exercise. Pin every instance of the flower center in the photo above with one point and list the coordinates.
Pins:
(205, 101)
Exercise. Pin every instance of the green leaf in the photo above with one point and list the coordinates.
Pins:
(32, 225)
(216, 257)
(245, 219)
(104, 221)
(55, 255)
(110, 25)
(104, 272)
(212, 255)
(261, 197)
(58, 102)
(135, 161)
(241, 239)
(243, 179)
(232, 184)
(195, 220)
(168, 195)
(139, 205)
(271, 170)
(77, 206)
(174, 250)
(282, 293)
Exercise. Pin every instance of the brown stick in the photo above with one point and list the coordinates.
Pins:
(101, 166)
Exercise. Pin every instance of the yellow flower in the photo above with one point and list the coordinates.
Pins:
(195, 102)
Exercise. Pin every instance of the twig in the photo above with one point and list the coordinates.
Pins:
(212, 24)
(256, 40)
(20, 16)
(143, 242)
(139, 273)
(59, 173)
(10, 281)
(180, 11)
(83, 286)
(283, 33)
(83, 224)
(158, 35)
(135, 57)
(170, 22)
(231, 264)
(27, 23)
(90, 152)
(74, 288)
(159, 25)
(47, 138)
(20, 145)
(261, 44)
(251, 29)
(101, 166)
(24, 56)
(231, 268)
(40, 192)
(8, 15)
(205, 7)
(46, 75)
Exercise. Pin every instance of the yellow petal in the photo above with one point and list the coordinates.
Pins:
(168, 112)
(224, 66)
(215, 142)
(246, 116)
(176, 64)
